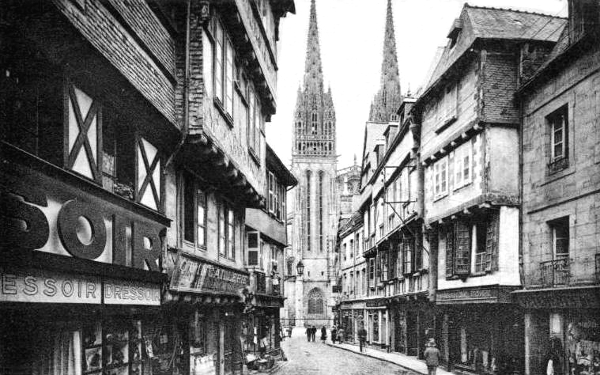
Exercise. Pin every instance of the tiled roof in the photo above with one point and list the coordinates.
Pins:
(496, 23)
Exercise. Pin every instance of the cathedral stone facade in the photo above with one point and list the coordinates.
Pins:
(315, 201)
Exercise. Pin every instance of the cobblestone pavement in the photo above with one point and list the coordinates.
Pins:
(316, 358)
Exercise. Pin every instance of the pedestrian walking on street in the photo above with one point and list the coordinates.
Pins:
(432, 357)
(323, 334)
(341, 335)
(289, 331)
(333, 334)
(362, 336)
(313, 333)
(308, 333)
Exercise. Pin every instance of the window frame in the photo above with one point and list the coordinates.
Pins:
(440, 177)
(463, 155)
(561, 113)
(196, 188)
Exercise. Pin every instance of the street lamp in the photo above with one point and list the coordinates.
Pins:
(300, 268)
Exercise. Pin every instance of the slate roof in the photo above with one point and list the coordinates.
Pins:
(496, 23)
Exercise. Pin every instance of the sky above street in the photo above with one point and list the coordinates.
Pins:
(351, 37)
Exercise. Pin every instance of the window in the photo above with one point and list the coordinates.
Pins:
(321, 210)
(271, 182)
(218, 78)
(229, 77)
(314, 123)
(371, 269)
(440, 173)
(315, 301)
(207, 59)
(462, 165)
(194, 212)
(560, 237)
(482, 261)
(308, 198)
(253, 249)
(449, 105)
(558, 122)
(477, 240)
(345, 250)
(226, 228)
(408, 249)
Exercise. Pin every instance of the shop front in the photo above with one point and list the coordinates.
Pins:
(412, 324)
(481, 330)
(207, 299)
(377, 319)
(80, 277)
(562, 330)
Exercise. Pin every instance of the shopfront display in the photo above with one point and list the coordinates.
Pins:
(582, 342)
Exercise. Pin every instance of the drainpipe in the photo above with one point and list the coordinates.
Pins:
(186, 89)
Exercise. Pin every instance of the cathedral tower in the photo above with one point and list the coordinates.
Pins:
(314, 163)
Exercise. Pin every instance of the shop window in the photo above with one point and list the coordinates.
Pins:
(558, 126)
(31, 104)
(440, 175)
(194, 212)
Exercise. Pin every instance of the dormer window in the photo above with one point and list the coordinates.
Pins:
(455, 31)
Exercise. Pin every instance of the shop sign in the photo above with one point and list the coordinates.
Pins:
(52, 216)
(118, 292)
(195, 275)
(33, 285)
(377, 303)
(490, 294)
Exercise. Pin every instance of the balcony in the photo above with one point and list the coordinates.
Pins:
(556, 272)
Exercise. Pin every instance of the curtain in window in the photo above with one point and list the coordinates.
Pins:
(61, 356)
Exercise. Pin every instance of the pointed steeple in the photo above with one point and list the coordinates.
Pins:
(313, 70)
(314, 134)
(389, 97)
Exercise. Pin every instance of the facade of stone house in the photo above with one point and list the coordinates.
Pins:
(468, 124)
(560, 256)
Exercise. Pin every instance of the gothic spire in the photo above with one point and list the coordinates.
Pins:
(389, 97)
(313, 71)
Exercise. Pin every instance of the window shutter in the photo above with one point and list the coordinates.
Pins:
(449, 251)
(491, 245)
(252, 248)
(462, 261)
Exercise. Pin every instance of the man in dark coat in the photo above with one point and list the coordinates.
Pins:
(308, 333)
(362, 336)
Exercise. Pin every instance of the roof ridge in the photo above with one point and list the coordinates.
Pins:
(514, 10)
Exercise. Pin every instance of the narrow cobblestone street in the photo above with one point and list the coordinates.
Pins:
(316, 358)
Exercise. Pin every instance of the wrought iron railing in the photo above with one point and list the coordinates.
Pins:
(555, 272)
